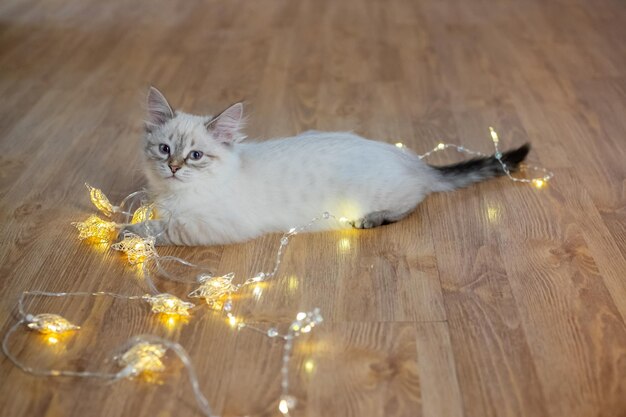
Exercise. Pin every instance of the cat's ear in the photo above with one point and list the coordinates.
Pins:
(159, 110)
(228, 125)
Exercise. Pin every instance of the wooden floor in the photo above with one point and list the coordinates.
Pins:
(496, 300)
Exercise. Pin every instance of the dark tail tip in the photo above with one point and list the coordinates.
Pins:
(514, 157)
(478, 169)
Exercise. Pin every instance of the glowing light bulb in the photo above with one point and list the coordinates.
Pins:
(494, 135)
(441, 146)
(136, 248)
(52, 340)
(539, 182)
(306, 321)
(258, 277)
(286, 403)
(143, 357)
(282, 407)
(50, 324)
(143, 213)
(399, 145)
(100, 200)
(171, 321)
(168, 304)
(233, 321)
(215, 290)
(96, 229)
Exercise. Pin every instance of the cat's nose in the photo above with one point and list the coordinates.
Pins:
(174, 168)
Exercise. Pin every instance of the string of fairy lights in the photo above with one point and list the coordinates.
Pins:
(537, 182)
(143, 355)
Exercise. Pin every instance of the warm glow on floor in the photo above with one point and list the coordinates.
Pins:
(493, 214)
(344, 245)
(309, 366)
(292, 283)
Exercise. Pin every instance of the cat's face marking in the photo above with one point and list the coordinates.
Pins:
(183, 148)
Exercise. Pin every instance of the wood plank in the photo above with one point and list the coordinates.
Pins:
(496, 300)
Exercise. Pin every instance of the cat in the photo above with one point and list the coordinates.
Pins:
(212, 187)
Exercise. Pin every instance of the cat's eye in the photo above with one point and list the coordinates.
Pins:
(195, 155)
(163, 148)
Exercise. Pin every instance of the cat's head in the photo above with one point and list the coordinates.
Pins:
(181, 148)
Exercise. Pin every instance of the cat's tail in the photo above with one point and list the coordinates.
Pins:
(450, 177)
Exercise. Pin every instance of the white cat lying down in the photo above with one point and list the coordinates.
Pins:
(218, 189)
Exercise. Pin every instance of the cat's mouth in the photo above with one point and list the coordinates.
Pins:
(173, 177)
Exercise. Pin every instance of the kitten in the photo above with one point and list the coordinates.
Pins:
(214, 189)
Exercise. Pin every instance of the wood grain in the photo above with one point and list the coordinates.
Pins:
(495, 300)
